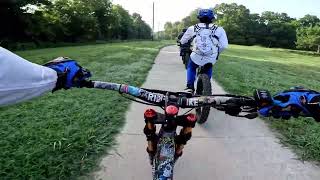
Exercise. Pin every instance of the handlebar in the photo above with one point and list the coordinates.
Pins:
(261, 103)
(231, 104)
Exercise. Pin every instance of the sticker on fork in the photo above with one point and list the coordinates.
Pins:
(167, 172)
(165, 163)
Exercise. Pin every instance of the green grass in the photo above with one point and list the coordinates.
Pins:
(241, 69)
(61, 135)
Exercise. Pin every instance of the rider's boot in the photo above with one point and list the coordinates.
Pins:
(150, 132)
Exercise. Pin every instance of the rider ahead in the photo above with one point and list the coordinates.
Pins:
(186, 46)
(209, 41)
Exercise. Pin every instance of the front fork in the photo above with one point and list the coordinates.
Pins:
(181, 140)
(185, 134)
(149, 130)
(188, 122)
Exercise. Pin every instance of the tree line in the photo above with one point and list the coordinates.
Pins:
(269, 29)
(54, 21)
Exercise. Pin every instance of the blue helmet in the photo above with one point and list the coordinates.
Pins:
(206, 13)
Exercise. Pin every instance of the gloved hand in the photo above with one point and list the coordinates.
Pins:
(294, 102)
(70, 73)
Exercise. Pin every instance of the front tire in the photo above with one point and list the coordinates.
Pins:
(203, 88)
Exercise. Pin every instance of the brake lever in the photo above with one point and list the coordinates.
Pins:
(249, 110)
(251, 113)
(249, 116)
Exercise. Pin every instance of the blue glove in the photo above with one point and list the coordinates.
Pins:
(70, 73)
(294, 102)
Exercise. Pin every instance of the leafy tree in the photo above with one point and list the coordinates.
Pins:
(102, 11)
(280, 31)
(121, 22)
(309, 20)
(257, 30)
(269, 16)
(67, 21)
(268, 29)
(14, 19)
(140, 29)
(235, 19)
(168, 30)
(308, 38)
(78, 18)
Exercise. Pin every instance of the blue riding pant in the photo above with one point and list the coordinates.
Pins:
(191, 73)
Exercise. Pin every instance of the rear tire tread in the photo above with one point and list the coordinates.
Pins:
(203, 85)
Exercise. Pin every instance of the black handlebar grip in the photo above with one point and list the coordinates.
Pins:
(87, 84)
(242, 102)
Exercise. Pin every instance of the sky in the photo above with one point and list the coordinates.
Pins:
(175, 10)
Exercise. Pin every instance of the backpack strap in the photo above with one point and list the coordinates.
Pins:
(214, 29)
(197, 28)
(215, 36)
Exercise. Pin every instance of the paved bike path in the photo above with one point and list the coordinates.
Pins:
(225, 148)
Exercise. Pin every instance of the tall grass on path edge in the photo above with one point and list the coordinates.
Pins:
(241, 69)
(62, 135)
